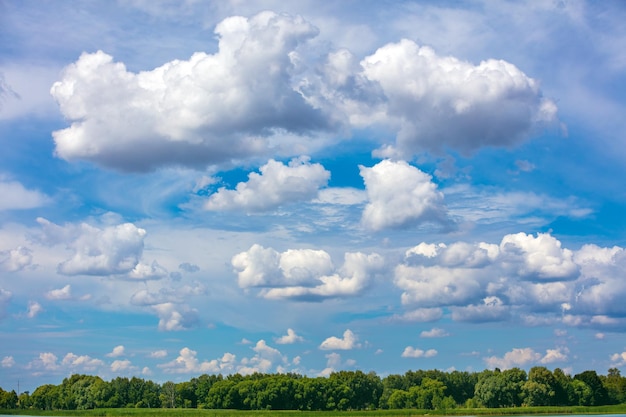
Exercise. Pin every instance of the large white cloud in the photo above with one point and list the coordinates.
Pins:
(441, 102)
(97, 250)
(208, 109)
(304, 274)
(260, 93)
(276, 184)
(401, 195)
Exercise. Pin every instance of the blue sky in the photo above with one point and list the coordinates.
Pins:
(221, 186)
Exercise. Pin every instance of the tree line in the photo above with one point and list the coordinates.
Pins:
(343, 390)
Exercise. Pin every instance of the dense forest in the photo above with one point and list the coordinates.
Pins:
(344, 390)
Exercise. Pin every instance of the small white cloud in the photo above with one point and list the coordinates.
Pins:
(618, 359)
(434, 332)
(333, 362)
(64, 293)
(290, 338)
(144, 272)
(555, 355)
(411, 352)
(121, 366)
(34, 308)
(158, 354)
(117, 352)
(524, 166)
(349, 341)
(45, 361)
(187, 362)
(7, 362)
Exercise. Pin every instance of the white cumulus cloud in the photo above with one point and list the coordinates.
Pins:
(521, 357)
(96, 250)
(34, 308)
(64, 293)
(304, 274)
(275, 185)
(16, 259)
(290, 338)
(401, 195)
(440, 102)
(348, 342)
(434, 332)
(117, 352)
(411, 352)
(208, 109)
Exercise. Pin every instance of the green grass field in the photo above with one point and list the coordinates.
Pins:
(191, 412)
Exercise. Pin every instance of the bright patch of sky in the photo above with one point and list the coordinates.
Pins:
(220, 187)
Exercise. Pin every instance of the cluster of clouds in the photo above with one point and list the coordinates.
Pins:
(265, 359)
(528, 278)
(523, 357)
(397, 194)
(103, 247)
(523, 273)
(532, 279)
(304, 274)
(264, 91)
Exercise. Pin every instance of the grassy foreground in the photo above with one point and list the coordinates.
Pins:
(192, 412)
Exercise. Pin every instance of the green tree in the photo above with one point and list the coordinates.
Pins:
(205, 382)
(221, 395)
(501, 389)
(460, 385)
(562, 388)
(540, 389)
(45, 397)
(398, 399)
(8, 399)
(24, 401)
(615, 385)
(580, 393)
(599, 394)
(311, 394)
(168, 395)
